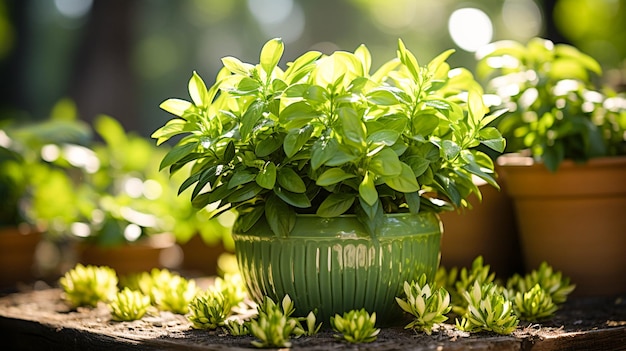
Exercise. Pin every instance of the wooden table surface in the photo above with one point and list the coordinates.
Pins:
(40, 320)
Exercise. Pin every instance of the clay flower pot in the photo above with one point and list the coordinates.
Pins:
(574, 218)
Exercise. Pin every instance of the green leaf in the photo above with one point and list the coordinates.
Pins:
(385, 163)
(207, 176)
(476, 106)
(247, 220)
(244, 193)
(301, 66)
(382, 97)
(367, 189)
(234, 65)
(290, 180)
(351, 124)
(335, 204)
(424, 124)
(406, 182)
(241, 177)
(297, 115)
(294, 199)
(177, 153)
(271, 53)
(171, 128)
(295, 139)
(407, 58)
(267, 176)
(386, 137)
(197, 91)
(435, 63)
(413, 200)
(450, 149)
(250, 118)
(333, 176)
(176, 107)
(492, 138)
(322, 151)
(280, 216)
(266, 147)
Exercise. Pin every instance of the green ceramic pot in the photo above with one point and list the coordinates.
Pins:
(332, 265)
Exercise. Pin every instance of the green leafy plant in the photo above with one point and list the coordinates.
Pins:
(236, 327)
(534, 304)
(88, 285)
(274, 324)
(327, 136)
(555, 109)
(553, 282)
(488, 310)
(129, 305)
(355, 326)
(457, 282)
(168, 291)
(208, 310)
(428, 307)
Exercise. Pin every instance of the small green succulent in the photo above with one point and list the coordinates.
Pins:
(428, 307)
(488, 310)
(460, 281)
(355, 326)
(534, 304)
(312, 327)
(232, 287)
(274, 324)
(208, 310)
(175, 295)
(129, 305)
(552, 282)
(236, 327)
(87, 285)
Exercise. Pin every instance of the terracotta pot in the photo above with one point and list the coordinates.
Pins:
(488, 229)
(200, 257)
(332, 265)
(17, 254)
(129, 258)
(575, 219)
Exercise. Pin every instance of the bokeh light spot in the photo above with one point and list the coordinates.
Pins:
(470, 28)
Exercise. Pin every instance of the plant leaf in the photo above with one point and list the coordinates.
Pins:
(271, 53)
(280, 216)
(177, 153)
(267, 176)
(335, 204)
(406, 182)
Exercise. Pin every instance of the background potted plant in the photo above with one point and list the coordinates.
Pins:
(336, 173)
(25, 172)
(567, 176)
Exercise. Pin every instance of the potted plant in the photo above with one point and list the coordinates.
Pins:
(25, 172)
(123, 218)
(567, 174)
(336, 174)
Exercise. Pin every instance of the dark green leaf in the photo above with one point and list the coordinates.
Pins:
(290, 180)
(241, 177)
(280, 216)
(247, 220)
(266, 147)
(385, 163)
(297, 115)
(387, 137)
(450, 149)
(244, 193)
(413, 200)
(294, 199)
(322, 151)
(335, 204)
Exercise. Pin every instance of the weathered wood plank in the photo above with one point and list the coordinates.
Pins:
(40, 320)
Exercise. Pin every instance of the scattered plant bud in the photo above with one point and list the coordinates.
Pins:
(273, 325)
(429, 308)
(534, 305)
(488, 310)
(129, 305)
(552, 282)
(237, 328)
(208, 310)
(355, 326)
(87, 285)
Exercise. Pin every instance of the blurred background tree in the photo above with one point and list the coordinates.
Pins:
(124, 57)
